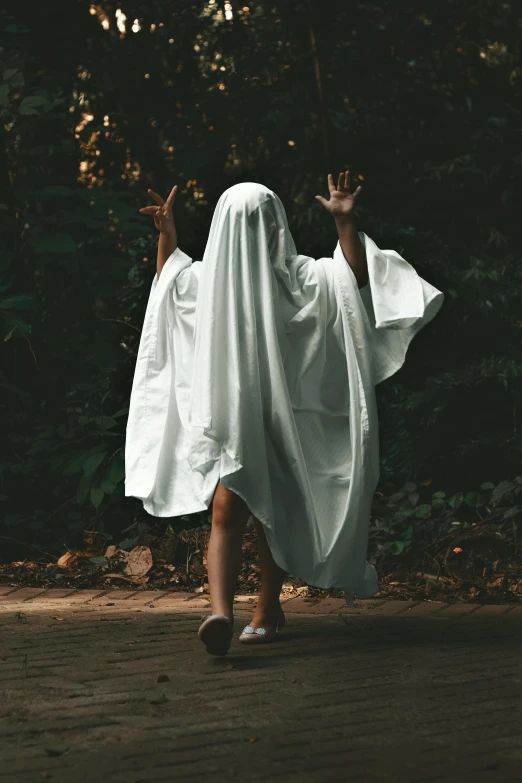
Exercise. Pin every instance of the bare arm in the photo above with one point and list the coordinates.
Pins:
(164, 222)
(341, 206)
(352, 248)
(167, 244)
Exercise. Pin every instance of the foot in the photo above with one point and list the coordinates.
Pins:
(216, 634)
(264, 626)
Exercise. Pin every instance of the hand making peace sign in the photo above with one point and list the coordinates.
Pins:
(163, 216)
(342, 201)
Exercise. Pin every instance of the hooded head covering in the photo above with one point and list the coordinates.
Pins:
(248, 292)
(253, 210)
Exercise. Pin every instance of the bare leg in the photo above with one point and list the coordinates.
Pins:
(272, 578)
(229, 517)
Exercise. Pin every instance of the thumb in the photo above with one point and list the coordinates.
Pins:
(322, 200)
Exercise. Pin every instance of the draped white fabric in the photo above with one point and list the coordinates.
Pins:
(256, 368)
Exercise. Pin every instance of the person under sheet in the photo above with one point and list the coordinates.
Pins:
(256, 371)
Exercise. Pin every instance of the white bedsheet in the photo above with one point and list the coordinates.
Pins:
(256, 368)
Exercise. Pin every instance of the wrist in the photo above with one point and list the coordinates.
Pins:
(169, 232)
(345, 219)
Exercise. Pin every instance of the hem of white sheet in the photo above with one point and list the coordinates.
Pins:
(366, 589)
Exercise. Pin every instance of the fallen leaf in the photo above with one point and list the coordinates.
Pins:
(138, 580)
(139, 562)
(253, 739)
(497, 582)
(163, 678)
(66, 560)
(55, 617)
(110, 551)
(56, 751)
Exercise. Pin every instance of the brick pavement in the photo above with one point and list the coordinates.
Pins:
(114, 686)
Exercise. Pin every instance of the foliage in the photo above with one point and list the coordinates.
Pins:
(422, 102)
(400, 518)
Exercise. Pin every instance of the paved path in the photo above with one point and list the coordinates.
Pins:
(115, 687)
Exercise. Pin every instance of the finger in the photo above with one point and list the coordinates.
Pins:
(347, 179)
(358, 190)
(156, 198)
(149, 210)
(331, 186)
(340, 181)
(172, 196)
(322, 200)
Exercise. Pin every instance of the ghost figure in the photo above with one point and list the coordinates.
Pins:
(256, 367)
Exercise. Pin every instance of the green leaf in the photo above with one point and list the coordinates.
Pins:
(502, 489)
(407, 534)
(92, 462)
(116, 470)
(83, 488)
(97, 494)
(423, 511)
(397, 547)
(99, 561)
(76, 465)
(17, 80)
(471, 498)
(410, 487)
(16, 28)
(30, 104)
(105, 422)
(127, 543)
(19, 302)
(59, 243)
(122, 412)
(455, 501)
(439, 494)
(107, 486)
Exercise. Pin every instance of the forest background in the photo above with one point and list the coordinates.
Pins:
(101, 101)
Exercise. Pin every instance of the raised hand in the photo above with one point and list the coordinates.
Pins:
(342, 201)
(162, 212)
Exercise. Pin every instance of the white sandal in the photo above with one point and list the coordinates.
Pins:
(251, 635)
(216, 634)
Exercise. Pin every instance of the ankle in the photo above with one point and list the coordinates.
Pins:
(226, 611)
(268, 607)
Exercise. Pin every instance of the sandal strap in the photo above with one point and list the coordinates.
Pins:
(249, 629)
